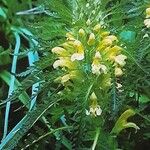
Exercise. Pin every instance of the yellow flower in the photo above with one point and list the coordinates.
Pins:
(113, 51)
(122, 122)
(79, 55)
(147, 23)
(97, 28)
(63, 62)
(118, 72)
(81, 32)
(60, 51)
(91, 39)
(120, 59)
(71, 75)
(95, 109)
(112, 38)
(147, 12)
(104, 34)
(98, 68)
(106, 42)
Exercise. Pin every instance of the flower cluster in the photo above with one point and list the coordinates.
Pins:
(89, 51)
(147, 20)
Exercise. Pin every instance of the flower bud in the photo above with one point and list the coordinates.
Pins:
(88, 22)
(91, 39)
(81, 32)
(97, 28)
(93, 96)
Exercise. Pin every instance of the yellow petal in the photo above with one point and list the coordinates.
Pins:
(60, 51)
(78, 46)
(63, 63)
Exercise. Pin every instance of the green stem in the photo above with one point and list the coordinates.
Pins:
(96, 139)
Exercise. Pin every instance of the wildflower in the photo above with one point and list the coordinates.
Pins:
(95, 109)
(63, 62)
(120, 59)
(91, 39)
(97, 28)
(147, 23)
(113, 51)
(60, 51)
(79, 55)
(81, 32)
(104, 34)
(118, 72)
(147, 12)
(112, 38)
(98, 68)
(122, 122)
(106, 42)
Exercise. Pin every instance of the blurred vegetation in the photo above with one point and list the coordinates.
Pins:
(43, 114)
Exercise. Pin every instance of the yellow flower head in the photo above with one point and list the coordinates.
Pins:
(91, 53)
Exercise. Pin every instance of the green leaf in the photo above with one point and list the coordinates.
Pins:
(2, 13)
(4, 56)
(144, 99)
(6, 76)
